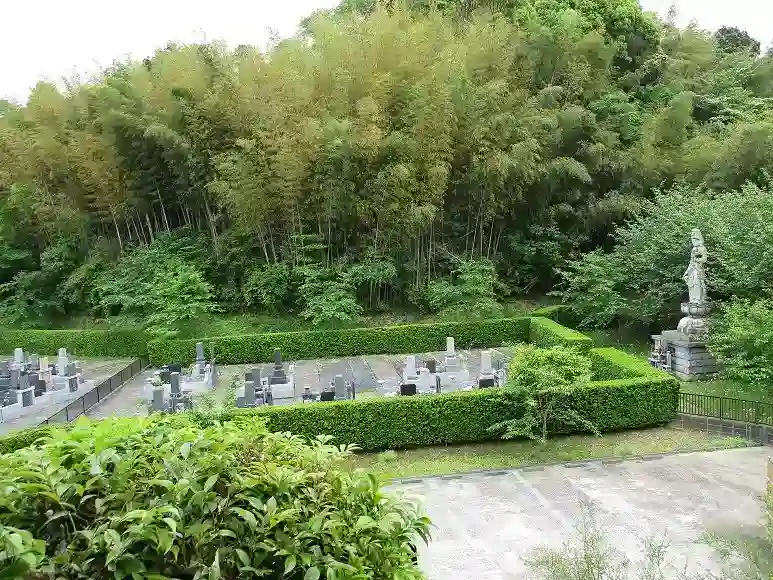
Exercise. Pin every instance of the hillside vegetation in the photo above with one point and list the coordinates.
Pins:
(389, 156)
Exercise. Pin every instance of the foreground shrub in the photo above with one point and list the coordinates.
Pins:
(163, 498)
(544, 378)
(741, 339)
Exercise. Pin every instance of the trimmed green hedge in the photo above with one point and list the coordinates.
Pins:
(561, 313)
(85, 343)
(544, 332)
(461, 417)
(610, 363)
(21, 439)
(255, 348)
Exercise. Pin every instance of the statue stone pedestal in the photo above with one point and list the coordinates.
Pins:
(688, 359)
(683, 352)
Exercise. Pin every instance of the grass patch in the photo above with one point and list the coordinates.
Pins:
(509, 454)
(631, 342)
(730, 389)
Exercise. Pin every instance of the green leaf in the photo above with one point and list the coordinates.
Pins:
(243, 556)
(214, 569)
(312, 574)
(211, 480)
(247, 516)
(185, 450)
(289, 564)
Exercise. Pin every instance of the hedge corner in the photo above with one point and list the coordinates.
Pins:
(545, 332)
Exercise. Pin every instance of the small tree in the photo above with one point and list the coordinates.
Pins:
(543, 378)
(741, 338)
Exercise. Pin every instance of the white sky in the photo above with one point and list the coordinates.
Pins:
(48, 39)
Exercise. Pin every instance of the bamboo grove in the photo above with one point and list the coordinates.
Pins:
(401, 140)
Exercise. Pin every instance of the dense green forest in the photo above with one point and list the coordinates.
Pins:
(435, 156)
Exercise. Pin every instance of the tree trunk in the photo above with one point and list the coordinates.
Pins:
(211, 222)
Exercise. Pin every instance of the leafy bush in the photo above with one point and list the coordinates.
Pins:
(20, 553)
(544, 378)
(741, 339)
(472, 291)
(162, 498)
(399, 422)
(641, 278)
(268, 287)
(546, 332)
(84, 343)
(22, 439)
(252, 348)
(157, 285)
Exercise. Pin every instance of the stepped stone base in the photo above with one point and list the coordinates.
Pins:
(690, 359)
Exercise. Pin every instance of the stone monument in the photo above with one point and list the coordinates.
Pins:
(683, 351)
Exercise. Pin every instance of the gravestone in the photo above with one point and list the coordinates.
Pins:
(174, 383)
(451, 360)
(7, 394)
(486, 377)
(157, 405)
(62, 361)
(437, 384)
(175, 368)
(408, 390)
(15, 374)
(339, 387)
(164, 374)
(200, 352)
(278, 375)
(27, 397)
(425, 380)
(307, 395)
(34, 362)
(327, 396)
(410, 368)
(18, 356)
(250, 389)
(431, 365)
(38, 384)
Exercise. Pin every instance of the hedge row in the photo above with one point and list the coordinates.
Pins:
(255, 348)
(21, 439)
(610, 363)
(461, 417)
(84, 343)
(545, 332)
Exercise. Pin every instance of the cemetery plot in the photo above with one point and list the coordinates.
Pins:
(34, 388)
(173, 388)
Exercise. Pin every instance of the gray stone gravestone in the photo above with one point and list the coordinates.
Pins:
(174, 382)
(157, 404)
(27, 397)
(339, 387)
(278, 376)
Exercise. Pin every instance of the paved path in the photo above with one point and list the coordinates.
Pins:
(128, 401)
(486, 524)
